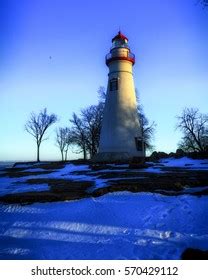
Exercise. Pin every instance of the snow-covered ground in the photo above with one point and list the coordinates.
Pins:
(120, 225)
(114, 226)
(17, 185)
(12, 185)
(186, 162)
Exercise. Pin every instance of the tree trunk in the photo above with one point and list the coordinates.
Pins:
(62, 155)
(84, 153)
(66, 152)
(38, 153)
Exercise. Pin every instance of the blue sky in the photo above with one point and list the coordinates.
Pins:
(168, 37)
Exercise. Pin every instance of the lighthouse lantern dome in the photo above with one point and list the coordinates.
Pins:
(120, 41)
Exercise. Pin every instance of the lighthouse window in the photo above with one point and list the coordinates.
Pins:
(113, 84)
(138, 142)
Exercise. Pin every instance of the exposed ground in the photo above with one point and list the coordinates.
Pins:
(92, 180)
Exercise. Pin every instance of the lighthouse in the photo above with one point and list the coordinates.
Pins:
(121, 137)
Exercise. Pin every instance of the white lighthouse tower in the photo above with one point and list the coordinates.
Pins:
(121, 137)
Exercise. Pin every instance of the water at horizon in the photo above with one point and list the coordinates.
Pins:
(4, 164)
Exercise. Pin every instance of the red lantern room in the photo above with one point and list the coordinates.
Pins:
(120, 41)
(120, 50)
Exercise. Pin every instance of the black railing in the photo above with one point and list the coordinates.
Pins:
(125, 54)
(122, 56)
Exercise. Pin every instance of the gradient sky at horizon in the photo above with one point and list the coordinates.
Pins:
(168, 37)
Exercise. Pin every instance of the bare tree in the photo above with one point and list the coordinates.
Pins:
(63, 140)
(92, 120)
(79, 134)
(147, 128)
(68, 143)
(194, 127)
(37, 126)
(86, 129)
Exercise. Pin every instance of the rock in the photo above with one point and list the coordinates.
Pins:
(194, 254)
(137, 163)
(180, 153)
(158, 155)
(172, 155)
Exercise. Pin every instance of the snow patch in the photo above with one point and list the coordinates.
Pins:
(185, 162)
(34, 170)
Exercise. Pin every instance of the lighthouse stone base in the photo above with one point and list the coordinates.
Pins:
(111, 157)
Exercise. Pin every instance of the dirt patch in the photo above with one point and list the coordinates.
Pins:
(17, 172)
(51, 165)
(44, 165)
(59, 185)
(13, 174)
(60, 190)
